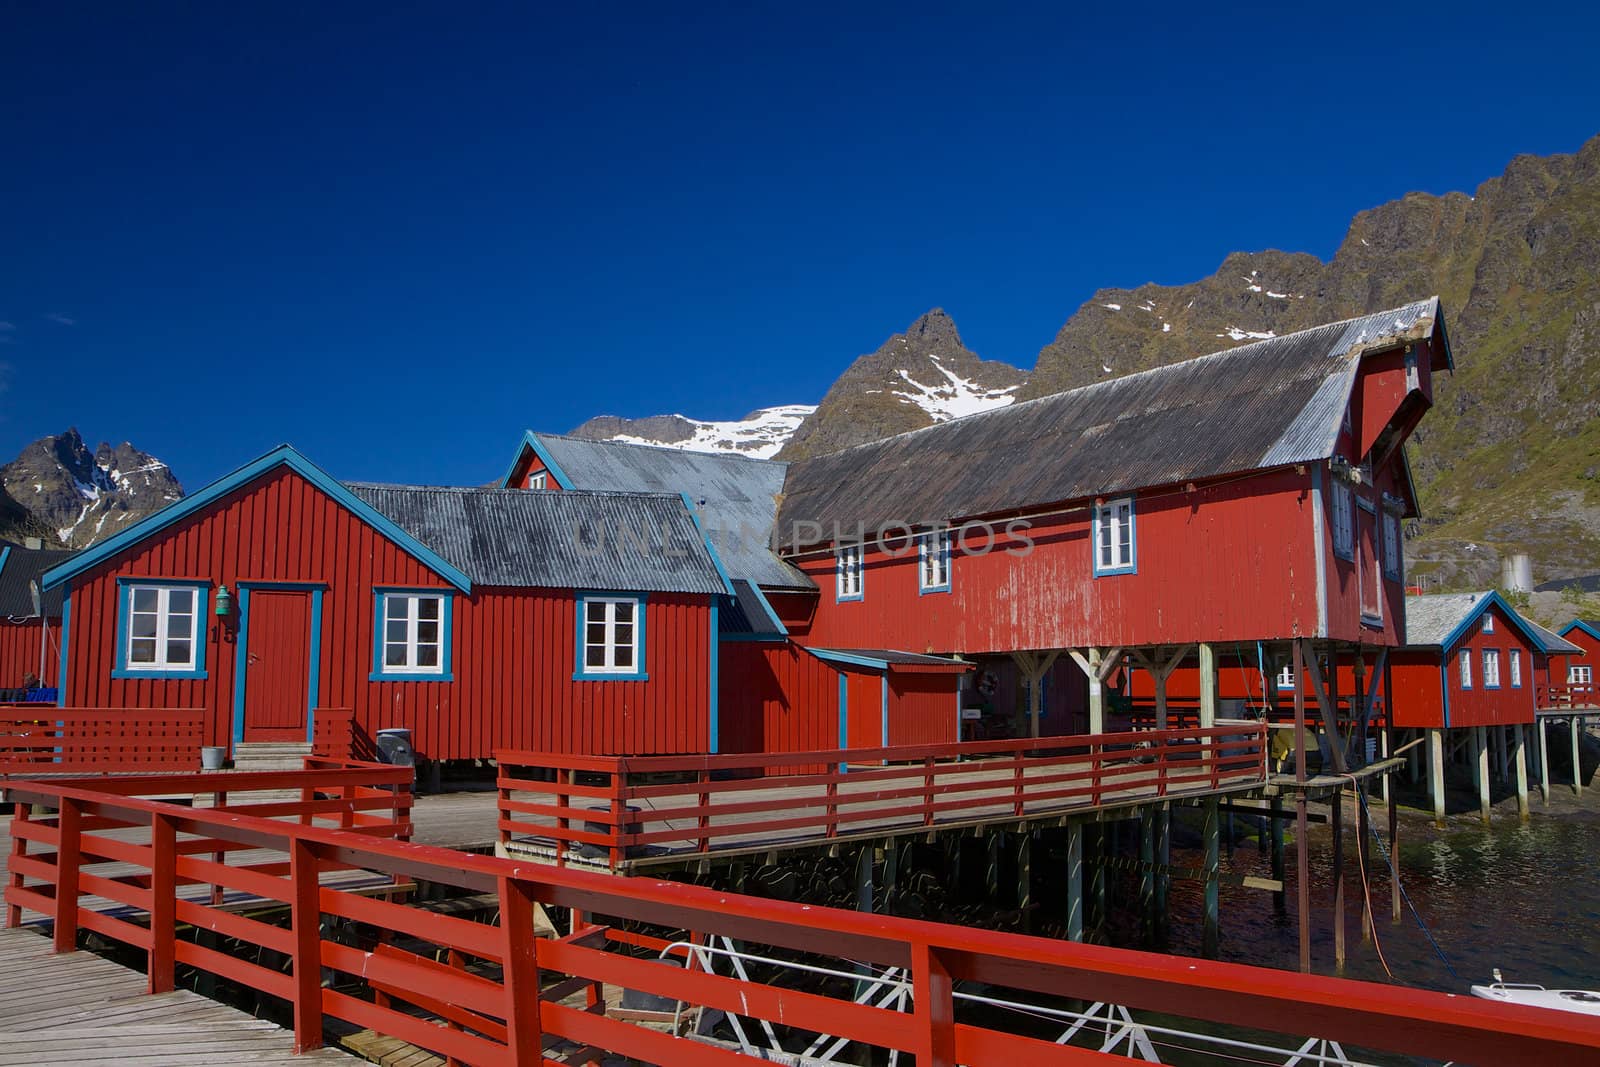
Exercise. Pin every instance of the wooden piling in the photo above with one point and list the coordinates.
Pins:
(1436, 774)
(1364, 856)
(1097, 878)
(1210, 936)
(1025, 878)
(1520, 763)
(1279, 898)
(1075, 882)
(1147, 873)
(1577, 779)
(1394, 860)
(1336, 820)
(1480, 773)
(1303, 860)
(1544, 763)
(1163, 878)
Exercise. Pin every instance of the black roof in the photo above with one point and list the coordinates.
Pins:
(1585, 583)
(746, 614)
(24, 565)
(1274, 403)
(621, 542)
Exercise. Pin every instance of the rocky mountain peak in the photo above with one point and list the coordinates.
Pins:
(73, 496)
(934, 328)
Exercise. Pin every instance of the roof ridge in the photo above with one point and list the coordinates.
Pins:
(513, 491)
(1121, 379)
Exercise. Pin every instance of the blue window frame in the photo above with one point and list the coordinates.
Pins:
(1344, 518)
(1465, 659)
(611, 638)
(411, 634)
(1393, 556)
(1488, 622)
(1115, 539)
(162, 628)
(933, 561)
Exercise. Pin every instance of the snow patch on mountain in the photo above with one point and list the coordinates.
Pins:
(954, 397)
(759, 434)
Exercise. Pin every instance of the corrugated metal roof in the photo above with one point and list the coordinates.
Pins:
(24, 565)
(1430, 620)
(1553, 643)
(1261, 405)
(736, 496)
(744, 613)
(633, 542)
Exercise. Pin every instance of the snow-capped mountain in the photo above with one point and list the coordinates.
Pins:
(72, 497)
(759, 434)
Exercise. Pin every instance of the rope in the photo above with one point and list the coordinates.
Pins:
(1366, 888)
(1395, 874)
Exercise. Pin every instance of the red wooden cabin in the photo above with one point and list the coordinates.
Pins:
(477, 618)
(1583, 666)
(1251, 496)
(29, 632)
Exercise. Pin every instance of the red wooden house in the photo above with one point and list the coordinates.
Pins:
(29, 627)
(775, 695)
(477, 618)
(1220, 505)
(1583, 667)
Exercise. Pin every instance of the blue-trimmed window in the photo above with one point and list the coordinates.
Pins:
(1393, 558)
(1491, 668)
(539, 480)
(933, 561)
(161, 629)
(1579, 674)
(611, 637)
(1342, 507)
(847, 572)
(1465, 659)
(1488, 622)
(1115, 542)
(1516, 668)
(411, 634)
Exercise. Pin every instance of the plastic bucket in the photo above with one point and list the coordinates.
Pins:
(212, 757)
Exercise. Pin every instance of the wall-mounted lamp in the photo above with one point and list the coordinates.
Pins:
(224, 607)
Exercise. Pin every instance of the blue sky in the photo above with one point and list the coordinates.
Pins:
(396, 235)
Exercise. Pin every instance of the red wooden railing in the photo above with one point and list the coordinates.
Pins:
(500, 997)
(1560, 697)
(96, 740)
(610, 806)
(333, 732)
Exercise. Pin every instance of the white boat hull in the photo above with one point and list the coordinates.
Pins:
(1583, 1001)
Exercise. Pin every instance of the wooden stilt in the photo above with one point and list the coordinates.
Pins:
(1025, 878)
(1577, 778)
(1097, 879)
(1544, 763)
(1436, 774)
(1364, 856)
(1075, 882)
(1520, 763)
(1303, 860)
(1394, 859)
(1279, 900)
(1480, 760)
(991, 870)
(1210, 936)
(1503, 750)
(1336, 820)
(864, 886)
(1208, 686)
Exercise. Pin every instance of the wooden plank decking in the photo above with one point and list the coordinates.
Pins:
(80, 1009)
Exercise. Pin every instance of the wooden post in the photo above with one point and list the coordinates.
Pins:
(1161, 702)
(1544, 762)
(1097, 880)
(933, 1007)
(1358, 707)
(1025, 878)
(991, 873)
(1364, 857)
(1210, 938)
(1208, 686)
(864, 860)
(1394, 859)
(1279, 900)
(1436, 774)
(1075, 881)
(1520, 762)
(1480, 758)
(69, 857)
(1577, 777)
(1303, 867)
(1336, 818)
(520, 974)
(306, 920)
(160, 962)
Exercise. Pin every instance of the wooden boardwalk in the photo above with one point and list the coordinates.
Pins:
(77, 1008)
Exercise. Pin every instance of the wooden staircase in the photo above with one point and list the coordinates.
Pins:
(270, 755)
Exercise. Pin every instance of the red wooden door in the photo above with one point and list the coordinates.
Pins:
(864, 708)
(277, 665)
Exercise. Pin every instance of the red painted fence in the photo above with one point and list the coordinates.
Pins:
(1555, 697)
(613, 806)
(501, 1000)
(96, 740)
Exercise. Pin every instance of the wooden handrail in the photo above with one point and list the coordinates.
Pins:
(99, 740)
(509, 1016)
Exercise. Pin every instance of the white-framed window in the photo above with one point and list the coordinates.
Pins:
(413, 633)
(847, 561)
(539, 480)
(1286, 676)
(1115, 543)
(1580, 674)
(1491, 668)
(1488, 622)
(1465, 658)
(611, 638)
(1344, 519)
(1516, 668)
(1393, 560)
(162, 630)
(933, 561)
